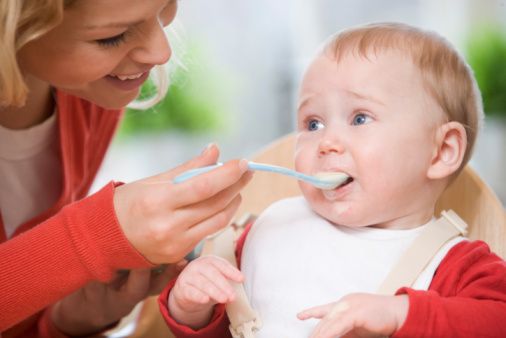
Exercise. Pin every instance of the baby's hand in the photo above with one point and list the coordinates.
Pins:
(359, 315)
(205, 282)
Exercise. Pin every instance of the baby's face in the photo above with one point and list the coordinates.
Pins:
(372, 119)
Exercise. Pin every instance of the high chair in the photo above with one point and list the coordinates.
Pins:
(468, 196)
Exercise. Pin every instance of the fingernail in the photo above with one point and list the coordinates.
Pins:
(206, 149)
(243, 165)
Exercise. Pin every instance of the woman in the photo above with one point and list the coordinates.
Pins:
(68, 68)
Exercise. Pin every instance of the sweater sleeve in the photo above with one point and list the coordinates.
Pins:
(467, 297)
(83, 242)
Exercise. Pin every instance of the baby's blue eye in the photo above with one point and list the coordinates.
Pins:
(313, 125)
(360, 119)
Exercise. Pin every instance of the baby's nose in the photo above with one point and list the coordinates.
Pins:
(331, 145)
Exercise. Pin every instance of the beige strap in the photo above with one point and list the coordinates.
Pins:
(244, 321)
(421, 252)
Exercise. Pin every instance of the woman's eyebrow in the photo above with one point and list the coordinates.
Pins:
(120, 24)
(112, 25)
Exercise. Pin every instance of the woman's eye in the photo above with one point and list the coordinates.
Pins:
(360, 119)
(314, 124)
(113, 41)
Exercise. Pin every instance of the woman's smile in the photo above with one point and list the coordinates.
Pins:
(127, 82)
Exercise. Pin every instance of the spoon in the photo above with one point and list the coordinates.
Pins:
(324, 180)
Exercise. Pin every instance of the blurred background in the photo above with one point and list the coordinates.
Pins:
(238, 65)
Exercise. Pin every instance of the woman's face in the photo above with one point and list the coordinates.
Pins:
(102, 51)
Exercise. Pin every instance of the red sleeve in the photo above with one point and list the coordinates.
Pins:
(218, 326)
(83, 242)
(467, 297)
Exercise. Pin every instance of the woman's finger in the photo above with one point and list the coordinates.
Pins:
(209, 156)
(213, 223)
(198, 212)
(207, 185)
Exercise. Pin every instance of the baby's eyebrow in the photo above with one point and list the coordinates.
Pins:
(304, 101)
(364, 97)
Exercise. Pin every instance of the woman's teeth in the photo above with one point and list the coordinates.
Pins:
(127, 77)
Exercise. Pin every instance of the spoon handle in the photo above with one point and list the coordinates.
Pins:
(194, 172)
(251, 166)
(281, 170)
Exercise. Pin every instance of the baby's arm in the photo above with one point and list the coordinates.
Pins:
(467, 298)
(202, 284)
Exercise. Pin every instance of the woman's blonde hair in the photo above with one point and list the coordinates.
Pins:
(445, 73)
(22, 21)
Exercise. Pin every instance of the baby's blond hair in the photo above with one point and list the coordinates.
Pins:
(447, 77)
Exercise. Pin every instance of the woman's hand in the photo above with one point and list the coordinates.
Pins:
(359, 315)
(164, 221)
(205, 282)
(98, 305)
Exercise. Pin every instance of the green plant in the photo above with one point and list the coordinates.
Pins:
(486, 54)
(192, 104)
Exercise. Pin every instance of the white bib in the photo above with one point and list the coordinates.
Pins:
(293, 259)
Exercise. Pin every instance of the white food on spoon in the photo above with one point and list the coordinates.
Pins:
(332, 180)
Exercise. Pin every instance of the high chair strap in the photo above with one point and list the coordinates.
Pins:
(244, 321)
(424, 248)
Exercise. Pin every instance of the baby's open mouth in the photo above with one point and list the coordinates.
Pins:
(346, 182)
(334, 179)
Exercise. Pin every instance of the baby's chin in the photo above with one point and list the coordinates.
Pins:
(336, 213)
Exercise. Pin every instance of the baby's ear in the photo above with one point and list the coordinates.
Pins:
(449, 149)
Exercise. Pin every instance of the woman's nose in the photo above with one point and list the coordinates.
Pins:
(154, 48)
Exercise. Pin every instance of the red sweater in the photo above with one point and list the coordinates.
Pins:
(466, 298)
(75, 241)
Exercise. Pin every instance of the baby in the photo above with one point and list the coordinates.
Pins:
(397, 110)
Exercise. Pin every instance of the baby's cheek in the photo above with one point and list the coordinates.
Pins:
(309, 192)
